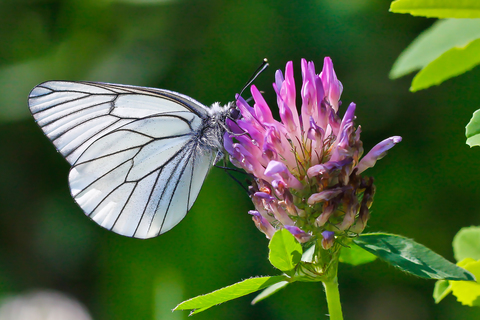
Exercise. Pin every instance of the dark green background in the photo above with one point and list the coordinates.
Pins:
(426, 186)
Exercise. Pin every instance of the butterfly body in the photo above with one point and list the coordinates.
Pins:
(139, 155)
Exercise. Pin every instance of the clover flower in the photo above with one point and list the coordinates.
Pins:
(306, 167)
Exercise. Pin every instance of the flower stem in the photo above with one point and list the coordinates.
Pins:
(333, 299)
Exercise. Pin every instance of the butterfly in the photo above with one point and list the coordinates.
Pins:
(139, 155)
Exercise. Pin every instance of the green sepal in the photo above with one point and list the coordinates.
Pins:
(308, 272)
(411, 257)
(285, 251)
(237, 290)
(355, 255)
(270, 291)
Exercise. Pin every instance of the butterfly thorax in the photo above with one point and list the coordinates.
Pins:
(213, 127)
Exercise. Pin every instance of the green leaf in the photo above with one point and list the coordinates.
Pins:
(411, 257)
(438, 8)
(472, 130)
(466, 243)
(442, 36)
(356, 255)
(468, 292)
(450, 64)
(441, 290)
(240, 289)
(270, 291)
(285, 251)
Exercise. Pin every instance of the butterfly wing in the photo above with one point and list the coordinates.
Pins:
(74, 114)
(137, 161)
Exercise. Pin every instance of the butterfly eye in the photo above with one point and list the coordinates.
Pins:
(235, 113)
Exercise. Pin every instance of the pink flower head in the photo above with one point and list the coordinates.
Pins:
(307, 166)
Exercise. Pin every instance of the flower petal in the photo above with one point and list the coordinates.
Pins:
(333, 87)
(262, 223)
(377, 153)
(324, 195)
(277, 169)
(298, 233)
(280, 214)
(278, 81)
(262, 111)
(325, 215)
(328, 239)
(265, 196)
(228, 143)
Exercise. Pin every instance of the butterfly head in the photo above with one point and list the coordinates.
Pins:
(219, 114)
(234, 112)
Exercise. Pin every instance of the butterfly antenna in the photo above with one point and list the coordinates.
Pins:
(257, 72)
(234, 115)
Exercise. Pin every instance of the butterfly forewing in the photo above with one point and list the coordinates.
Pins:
(137, 160)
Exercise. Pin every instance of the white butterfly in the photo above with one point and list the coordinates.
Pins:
(139, 155)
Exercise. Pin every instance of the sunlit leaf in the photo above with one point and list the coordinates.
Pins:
(472, 130)
(285, 251)
(441, 290)
(443, 35)
(450, 64)
(411, 256)
(468, 292)
(466, 243)
(201, 303)
(438, 8)
(356, 255)
(270, 291)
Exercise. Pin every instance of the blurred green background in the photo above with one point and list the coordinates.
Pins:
(427, 187)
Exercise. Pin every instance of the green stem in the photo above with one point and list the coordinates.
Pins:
(333, 299)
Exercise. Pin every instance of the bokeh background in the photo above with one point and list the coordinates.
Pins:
(427, 187)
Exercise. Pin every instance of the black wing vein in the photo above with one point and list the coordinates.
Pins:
(180, 176)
